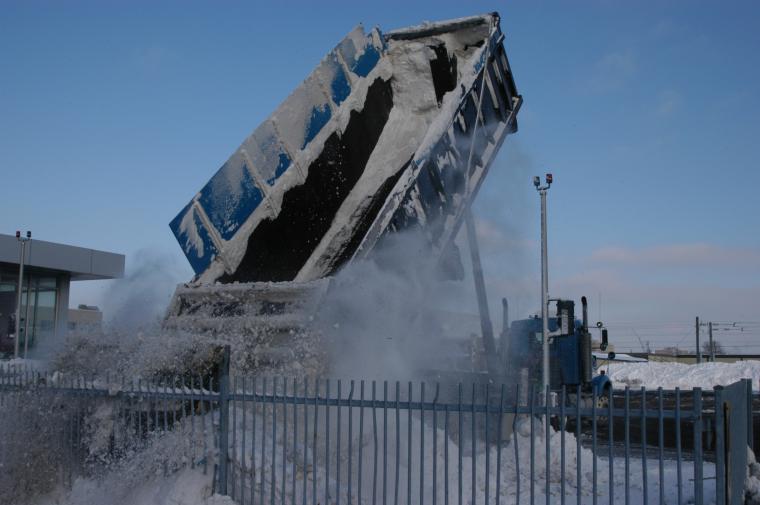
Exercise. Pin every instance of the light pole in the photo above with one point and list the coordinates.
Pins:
(22, 246)
(544, 279)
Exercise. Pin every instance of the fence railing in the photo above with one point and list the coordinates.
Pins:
(301, 441)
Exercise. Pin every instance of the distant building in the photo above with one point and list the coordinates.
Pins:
(85, 319)
(49, 269)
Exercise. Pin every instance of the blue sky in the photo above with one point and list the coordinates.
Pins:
(113, 114)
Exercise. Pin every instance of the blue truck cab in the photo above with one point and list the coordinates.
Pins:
(569, 349)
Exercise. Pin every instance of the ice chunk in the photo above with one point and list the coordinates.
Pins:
(266, 152)
(230, 196)
(194, 239)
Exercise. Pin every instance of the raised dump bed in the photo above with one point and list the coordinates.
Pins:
(391, 131)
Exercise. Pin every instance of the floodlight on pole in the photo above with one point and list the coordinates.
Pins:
(544, 279)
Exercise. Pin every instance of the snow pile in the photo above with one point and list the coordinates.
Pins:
(301, 464)
(168, 467)
(752, 482)
(187, 487)
(285, 458)
(670, 375)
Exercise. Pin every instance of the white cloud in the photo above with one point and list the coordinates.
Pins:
(153, 58)
(622, 63)
(613, 70)
(491, 237)
(648, 293)
(679, 255)
(668, 102)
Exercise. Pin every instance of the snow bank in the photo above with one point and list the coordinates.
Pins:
(170, 467)
(187, 487)
(671, 375)
(752, 482)
(514, 478)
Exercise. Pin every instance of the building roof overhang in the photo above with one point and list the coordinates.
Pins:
(80, 262)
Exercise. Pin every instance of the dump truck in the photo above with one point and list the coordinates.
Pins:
(392, 131)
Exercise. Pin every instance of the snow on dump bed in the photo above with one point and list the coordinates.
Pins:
(273, 155)
(669, 375)
(415, 111)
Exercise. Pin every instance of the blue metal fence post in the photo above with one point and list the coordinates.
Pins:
(698, 476)
(720, 448)
(678, 445)
(224, 418)
(750, 433)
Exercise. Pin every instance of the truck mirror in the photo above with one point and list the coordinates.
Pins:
(603, 346)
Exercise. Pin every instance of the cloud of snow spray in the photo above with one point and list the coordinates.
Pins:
(131, 334)
(139, 301)
(395, 315)
(34, 446)
(383, 317)
(132, 307)
(507, 222)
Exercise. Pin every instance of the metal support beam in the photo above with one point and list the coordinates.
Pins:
(486, 327)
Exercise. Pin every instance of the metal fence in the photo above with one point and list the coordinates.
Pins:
(278, 441)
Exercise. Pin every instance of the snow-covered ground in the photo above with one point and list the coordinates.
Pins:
(670, 375)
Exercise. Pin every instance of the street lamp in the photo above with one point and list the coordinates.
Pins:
(544, 278)
(22, 246)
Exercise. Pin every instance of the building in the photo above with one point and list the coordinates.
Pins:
(85, 319)
(49, 268)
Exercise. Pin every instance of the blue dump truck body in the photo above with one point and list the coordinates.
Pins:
(390, 132)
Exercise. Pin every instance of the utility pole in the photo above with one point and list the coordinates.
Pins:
(712, 346)
(699, 354)
(22, 246)
(544, 279)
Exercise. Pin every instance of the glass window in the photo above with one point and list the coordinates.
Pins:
(7, 313)
(37, 315)
(44, 312)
